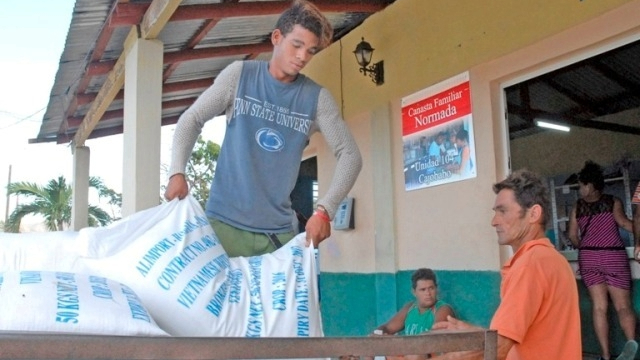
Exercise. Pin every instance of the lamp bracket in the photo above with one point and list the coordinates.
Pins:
(375, 71)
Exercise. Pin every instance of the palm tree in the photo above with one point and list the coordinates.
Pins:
(53, 202)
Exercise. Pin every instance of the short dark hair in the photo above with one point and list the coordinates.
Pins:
(423, 274)
(528, 189)
(462, 135)
(308, 16)
(592, 173)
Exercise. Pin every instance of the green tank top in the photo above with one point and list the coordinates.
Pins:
(416, 323)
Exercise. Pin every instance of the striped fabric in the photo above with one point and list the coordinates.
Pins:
(602, 257)
(609, 267)
(599, 230)
(598, 227)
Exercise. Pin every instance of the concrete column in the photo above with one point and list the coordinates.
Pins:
(142, 122)
(384, 215)
(80, 200)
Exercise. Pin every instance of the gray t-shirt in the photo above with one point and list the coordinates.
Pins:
(258, 200)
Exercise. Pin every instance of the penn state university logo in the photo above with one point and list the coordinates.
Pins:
(269, 139)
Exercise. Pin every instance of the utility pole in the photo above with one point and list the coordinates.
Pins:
(6, 211)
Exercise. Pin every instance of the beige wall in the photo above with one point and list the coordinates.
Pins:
(499, 43)
(354, 245)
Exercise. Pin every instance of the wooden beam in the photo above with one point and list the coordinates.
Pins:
(99, 68)
(167, 88)
(98, 133)
(108, 91)
(60, 346)
(195, 40)
(211, 52)
(127, 14)
(155, 18)
(103, 67)
(119, 113)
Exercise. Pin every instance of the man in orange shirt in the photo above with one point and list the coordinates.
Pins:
(538, 316)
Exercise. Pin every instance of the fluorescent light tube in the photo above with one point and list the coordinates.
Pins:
(549, 125)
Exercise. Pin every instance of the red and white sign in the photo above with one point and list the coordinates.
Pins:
(437, 132)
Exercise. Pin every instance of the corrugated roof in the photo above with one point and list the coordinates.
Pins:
(582, 94)
(96, 40)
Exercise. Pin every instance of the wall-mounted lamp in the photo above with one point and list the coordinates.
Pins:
(549, 125)
(363, 52)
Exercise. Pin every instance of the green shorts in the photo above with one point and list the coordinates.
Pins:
(238, 242)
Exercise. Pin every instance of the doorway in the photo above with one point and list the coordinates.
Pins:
(305, 194)
(597, 99)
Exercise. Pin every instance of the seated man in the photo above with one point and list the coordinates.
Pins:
(538, 316)
(419, 315)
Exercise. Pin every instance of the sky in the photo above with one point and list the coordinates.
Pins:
(32, 38)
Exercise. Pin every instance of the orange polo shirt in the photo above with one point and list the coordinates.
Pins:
(539, 307)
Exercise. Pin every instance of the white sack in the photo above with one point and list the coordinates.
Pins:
(49, 251)
(273, 295)
(61, 302)
(169, 255)
(172, 258)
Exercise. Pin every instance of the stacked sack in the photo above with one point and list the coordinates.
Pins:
(170, 257)
(61, 302)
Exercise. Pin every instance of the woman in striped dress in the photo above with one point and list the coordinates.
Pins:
(604, 266)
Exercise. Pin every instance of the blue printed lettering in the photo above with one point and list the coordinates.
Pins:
(138, 311)
(30, 277)
(67, 298)
(235, 278)
(207, 273)
(100, 288)
(254, 326)
(217, 302)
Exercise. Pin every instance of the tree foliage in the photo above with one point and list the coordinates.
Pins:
(53, 203)
(201, 169)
